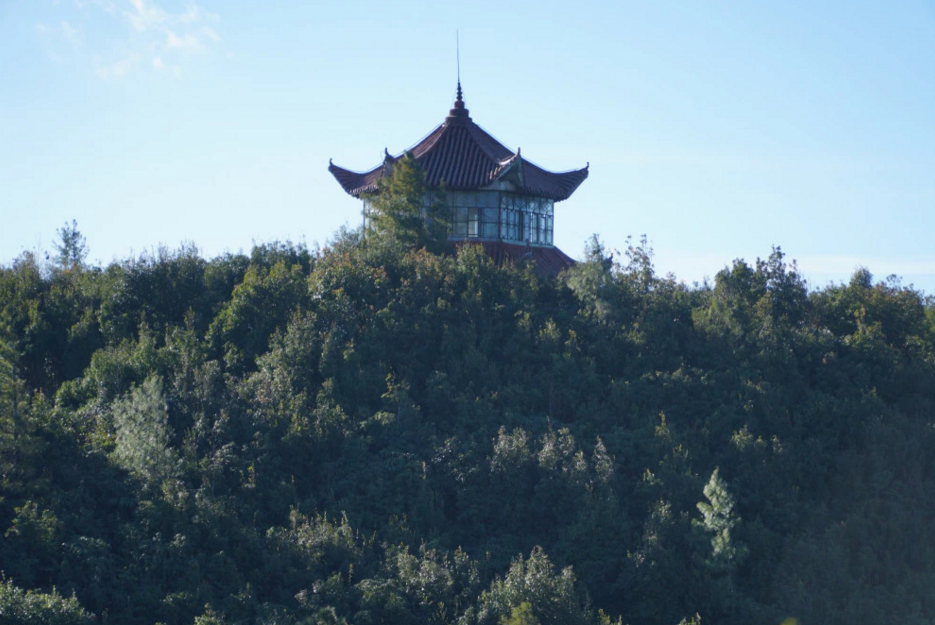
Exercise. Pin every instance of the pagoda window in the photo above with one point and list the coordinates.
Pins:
(492, 215)
(473, 222)
(512, 208)
(459, 221)
(511, 228)
(489, 204)
(474, 215)
(526, 219)
(466, 222)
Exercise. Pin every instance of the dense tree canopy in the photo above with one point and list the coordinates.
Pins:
(376, 433)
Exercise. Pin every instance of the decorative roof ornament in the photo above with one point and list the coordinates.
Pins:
(458, 111)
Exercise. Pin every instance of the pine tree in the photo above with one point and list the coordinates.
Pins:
(718, 519)
(72, 247)
(403, 210)
(143, 433)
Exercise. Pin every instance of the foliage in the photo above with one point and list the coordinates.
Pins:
(27, 607)
(718, 519)
(403, 212)
(142, 437)
(549, 596)
(72, 246)
(521, 615)
(373, 432)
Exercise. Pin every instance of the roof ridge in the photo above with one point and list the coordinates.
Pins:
(478, 131)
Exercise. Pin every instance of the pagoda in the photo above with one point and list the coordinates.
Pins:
(498, 199)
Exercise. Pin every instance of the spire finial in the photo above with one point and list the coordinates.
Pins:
(458, 111)
(458, 59)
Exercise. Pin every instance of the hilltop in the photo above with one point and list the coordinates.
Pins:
(373, 433)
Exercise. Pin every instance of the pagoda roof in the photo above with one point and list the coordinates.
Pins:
(462, 155)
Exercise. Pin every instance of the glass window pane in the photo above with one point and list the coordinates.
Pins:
(490, 230)
(487, 199)
(508, 227)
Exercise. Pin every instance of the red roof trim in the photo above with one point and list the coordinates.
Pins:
(549, 261)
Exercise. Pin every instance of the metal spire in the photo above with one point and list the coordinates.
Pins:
(458, 110)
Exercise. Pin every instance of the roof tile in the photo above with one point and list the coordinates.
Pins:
(548, 261)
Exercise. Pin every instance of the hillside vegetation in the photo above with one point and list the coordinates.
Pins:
(374, 433)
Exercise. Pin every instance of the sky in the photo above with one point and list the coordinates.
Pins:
(716, 129)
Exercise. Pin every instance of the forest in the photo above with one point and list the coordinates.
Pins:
(383, 430)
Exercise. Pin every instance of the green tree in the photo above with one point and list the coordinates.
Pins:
(593, 280)
(403, 210)
(28, 607)
(263, 301)
(72, 246)
(21, 444)
(551, 595)
(717, 521)
(12, 393)
(143, 434)
(521, 615)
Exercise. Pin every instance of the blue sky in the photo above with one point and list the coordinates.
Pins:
(717, 129)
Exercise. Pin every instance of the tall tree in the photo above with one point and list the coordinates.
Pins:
(72, 246)
(718, 519)
(404, 211)
(143, 433)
